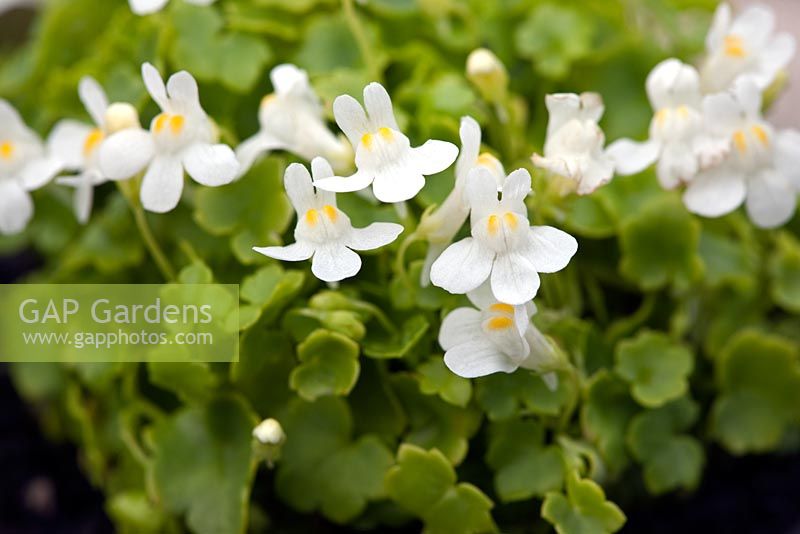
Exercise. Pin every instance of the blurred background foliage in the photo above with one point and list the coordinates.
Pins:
(681, 331)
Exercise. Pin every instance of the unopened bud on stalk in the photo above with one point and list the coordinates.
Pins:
(488, 74)
(268, 438)
(774, 90)
(121, 116)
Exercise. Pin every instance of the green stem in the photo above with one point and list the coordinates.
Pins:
(149, 239)
(360, 36)
(400, 261)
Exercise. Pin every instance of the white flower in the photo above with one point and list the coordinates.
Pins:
(384, 156)
(8, 5)
(77, 144)
(488, 74)
(146, 7)
(291, 119)
(24, 167)
(442, 225)
(763, 166)
(181, 137)
(496, 338)
(323, 231)
(269, 432)
(678, 137)
(574, 144)
(745, 46)
(503, 246)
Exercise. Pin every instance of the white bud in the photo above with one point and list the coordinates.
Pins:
(488, 74)
(121, 116)
(269, 432)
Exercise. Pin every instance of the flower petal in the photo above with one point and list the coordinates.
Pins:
(16, 207)
(295, 252)
(462, 325)
(562, 107)
(250, 149)
(184, 97)
(470, 134)
(597, 172)
(462, 267)
(397, 183)
(434, 156)
(787, 155)
(379, 107)
(748, 95)
(771, 199)
(351, 118)
(516, 188)
(719, 26)
(481, 193)
(715, 192)
(678, 164)
(153, 80)
(631, 157)
(722, 113)
(162, 184)
(334, 262)
(672, 83)
(211, 165)
(146, 7)
(321, 169)
(94, 99)
(38, 172)
(345, 184)
(66, 142)
(373, 236)
(471, 360)
(549, 249)
(13, 127)
(126, 153)
(754, 25)
(774, 57)
(83, 199)
(514, 279)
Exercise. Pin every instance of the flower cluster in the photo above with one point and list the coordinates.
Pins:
(706, 134)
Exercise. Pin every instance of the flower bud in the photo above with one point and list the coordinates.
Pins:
(488, 74)
(121, 116)
(268, 438)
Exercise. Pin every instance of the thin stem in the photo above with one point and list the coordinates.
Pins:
(149, 239)
(351, 17)
(400, 261)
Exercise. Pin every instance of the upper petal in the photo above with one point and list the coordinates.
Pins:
(549, 249)
(481, 192)
(211, 165)
(470, 134)
(94, 99)
(672, 83)
(126, 153)
(351, 118)
(66, 142)
(562, 107)
(434, 156)
(152, 78)
(183, 93)
(297, 182)
(719, 26)
(334, 262)
(373, 236)
(755, 24)
(162, 184)
(379, 107)
(462, 267)
(516, 187)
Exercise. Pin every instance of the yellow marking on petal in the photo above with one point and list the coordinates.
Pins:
(331, 212)
(734, 46)
(161, 122)
(510, 220)
(312, 217)
(502, 308)
(486, 159)
(268, 99)
(366, 140)
(683, 112)
(500, 323)
(761, 134)
(493, 224)
(6, 150)
(740, 140)
(176, 123)
(92, 140)
(386, 134)
(661, 116)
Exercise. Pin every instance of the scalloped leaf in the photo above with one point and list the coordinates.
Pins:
(583, 510)
(328, 365)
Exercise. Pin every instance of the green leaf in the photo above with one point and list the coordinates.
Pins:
(203, 467)
(503, 396)
(328, 365)
(605, 415)
(424, 483)
(659, 245)
(399, 345)
(266, 358)
(671, 460)
(728, 261)
(759, 381)
(192, 382)
(584, 509)
(656, 367)
(436, 378)
(524, 467)
(328, 45)
(784, 270)
(321, 468)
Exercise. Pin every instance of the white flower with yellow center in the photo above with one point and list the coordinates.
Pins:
(440, 227)
(324, 232)
(384, 156)
(504, 247)
(181, 137)
(574, 145)
(679, 140)
(744, 46)
(291, 119)
(762, 168)
(147, 7)
(77, 144)
(496, 338)
(24, 167)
